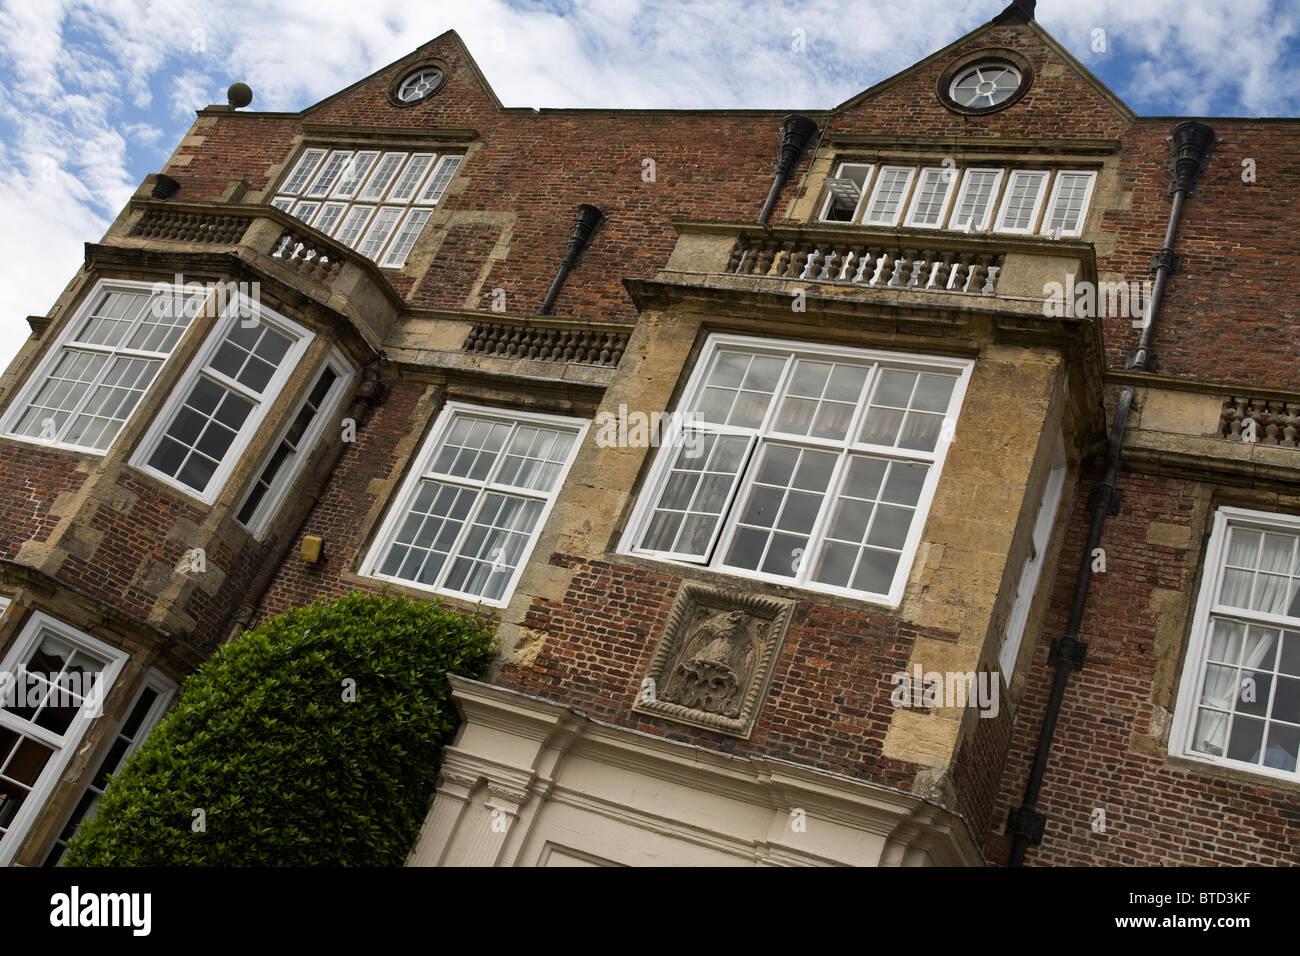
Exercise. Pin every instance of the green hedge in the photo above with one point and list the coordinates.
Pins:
(286, 771)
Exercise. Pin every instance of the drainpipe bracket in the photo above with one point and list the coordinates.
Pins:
(1069, 649)
(1028, 823)
(1167, 258)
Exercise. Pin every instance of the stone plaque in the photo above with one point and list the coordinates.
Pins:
(715, 658)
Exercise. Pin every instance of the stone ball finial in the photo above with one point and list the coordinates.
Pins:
(239, 95)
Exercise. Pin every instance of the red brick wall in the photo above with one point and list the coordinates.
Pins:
(1156, 814)
(828, 705)
(31, 478)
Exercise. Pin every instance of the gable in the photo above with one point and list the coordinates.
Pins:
(465, 100)
(1063, 98)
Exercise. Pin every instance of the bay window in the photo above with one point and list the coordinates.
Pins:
(222, 400)
(93, 378)
(55, 679)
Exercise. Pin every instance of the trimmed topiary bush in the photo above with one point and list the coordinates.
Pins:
(285, 769)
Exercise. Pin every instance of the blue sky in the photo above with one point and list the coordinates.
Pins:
(95, 94)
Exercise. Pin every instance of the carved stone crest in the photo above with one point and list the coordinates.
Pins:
(715, 658)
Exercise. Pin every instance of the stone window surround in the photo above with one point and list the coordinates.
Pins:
(394, 505)
(692, 376)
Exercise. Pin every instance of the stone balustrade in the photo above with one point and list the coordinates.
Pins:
(175, 225)
(309, 258)
(868, 265)
(547, 344)
(1275, 422)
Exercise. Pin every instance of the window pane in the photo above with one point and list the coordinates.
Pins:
(1021, 202)
(111, 403)
(740, 389)
(410, 231)
(781, 507)
(354, 174)
(931, 197)
(887, 198)
(820, 399)
(411, 177)
(329, 173)
(702, 477)
(302, 171)
(1067, 210)
(383, 176)
(67, 384)
(381, 228)
(975, 202)
(201, 433)
(871, 518)
(493, 548)
(439, 180)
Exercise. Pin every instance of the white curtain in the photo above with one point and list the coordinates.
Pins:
(1222, 683)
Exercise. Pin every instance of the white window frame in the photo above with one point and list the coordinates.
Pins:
(317, 195)
(989, 211)
(373, 181)
(22, 398)
(345, 195)
(270, 504)
(338, 159)
(385, 217)
(396, 256)
(903, 197)
(270, 395)
(401, 504)
(65, 744)
(436, 187)
(1027, 586)
(1004, 206)
(165, 688)
(858, 210)
(714, 559)
(1055, 195)
(431, 161)
(308, 164)
(1193, 676)
(948, 175)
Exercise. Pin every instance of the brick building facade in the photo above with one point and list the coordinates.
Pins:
(888, 458)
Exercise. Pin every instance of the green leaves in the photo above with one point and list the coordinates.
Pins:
(287, 772)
